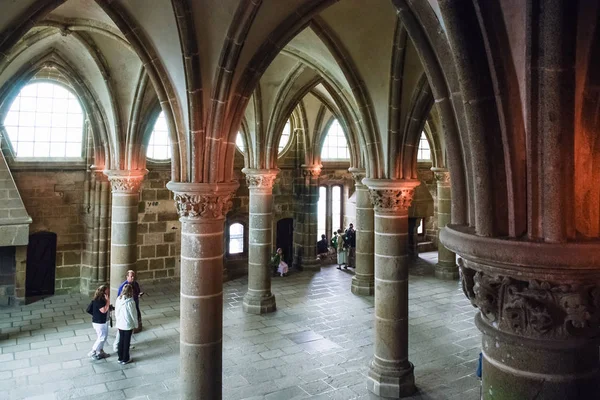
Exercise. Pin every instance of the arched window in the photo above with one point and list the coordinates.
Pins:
(159, 146)
(335, 146)
(424, 153)
(45, 121)
(285, 137)
(322, 212)
(236, 238)
(239, 142)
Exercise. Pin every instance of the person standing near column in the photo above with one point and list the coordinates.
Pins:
(126, 322)
(341, 251)
(350, 237)
(137, 293)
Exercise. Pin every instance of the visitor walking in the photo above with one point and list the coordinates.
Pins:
(350, 236)
(137, 293)
(282, 267)
(99, 309)
(342, 255)
(126, 322)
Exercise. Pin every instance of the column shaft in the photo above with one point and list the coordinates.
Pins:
(363, 281)
(310, 201)
(259, 299)
(123, 235)
(390, 373)
(202, 209)
(446, 267)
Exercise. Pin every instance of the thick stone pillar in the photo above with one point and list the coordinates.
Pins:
(446, 267)
(363, 281)
(259, 299)
(310, 200)
(126, 187)
(202, 208)
(539, 314)
(390, 373)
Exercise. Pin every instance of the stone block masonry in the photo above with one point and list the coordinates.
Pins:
(159, 230)
(54, 200)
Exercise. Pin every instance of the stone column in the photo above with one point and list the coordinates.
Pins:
(539, 313)
(126, 187)
(363, 281)
(202, 208)
(390, 373)
(311, 174)
(446, 267)
(259, 299)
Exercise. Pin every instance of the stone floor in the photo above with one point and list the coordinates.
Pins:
(317, 345)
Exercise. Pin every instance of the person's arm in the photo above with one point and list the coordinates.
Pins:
(106, 307)
(132, 313)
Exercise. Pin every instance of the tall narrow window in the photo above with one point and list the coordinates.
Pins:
(424, 153)
(236, 238)
(285, 137)
(335, 146)
(239, 142)
(322, 213)
(336, 208)
(159, 146)
(45, 121)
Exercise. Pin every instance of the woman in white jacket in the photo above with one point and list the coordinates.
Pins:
(126, 322)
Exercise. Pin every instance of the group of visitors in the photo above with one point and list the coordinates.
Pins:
(128, 318)
(343, 244)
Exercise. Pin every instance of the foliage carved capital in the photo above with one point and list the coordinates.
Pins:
(126, 181)
(260, 179)
(532, 308)
(197, 201)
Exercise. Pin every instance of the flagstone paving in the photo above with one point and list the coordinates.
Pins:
(317, 344)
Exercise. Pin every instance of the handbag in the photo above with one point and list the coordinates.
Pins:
(90, 308)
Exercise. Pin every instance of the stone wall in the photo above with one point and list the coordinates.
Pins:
(159, 230)
(54, 200)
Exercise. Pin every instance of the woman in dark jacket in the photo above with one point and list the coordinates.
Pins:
(100, 307)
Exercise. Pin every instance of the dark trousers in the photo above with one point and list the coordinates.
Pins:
(124, 342)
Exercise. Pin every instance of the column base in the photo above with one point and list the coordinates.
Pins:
(311, 265)
(259, 305)
(363, 287)
(391, 383)
(446, 271)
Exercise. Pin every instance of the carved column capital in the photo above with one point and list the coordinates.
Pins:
(199, 201)
(442, 175)
(311, 170)
(358, 174)
(261, 179)
(388, 195)
(126, 181)
(533, 308)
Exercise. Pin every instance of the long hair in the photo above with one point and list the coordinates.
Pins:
(99, 294)
(127, 291)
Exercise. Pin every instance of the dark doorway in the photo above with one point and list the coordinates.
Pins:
(285, 238)
(41, 264)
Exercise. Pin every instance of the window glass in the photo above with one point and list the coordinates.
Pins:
(159, 145)
(236, 238)
(335, 146)
(424, 153)
(239, 142)
(322, 212)
(336, 208)
(45, 121)
(285, 137)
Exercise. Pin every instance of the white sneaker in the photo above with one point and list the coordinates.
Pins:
(91, 353)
